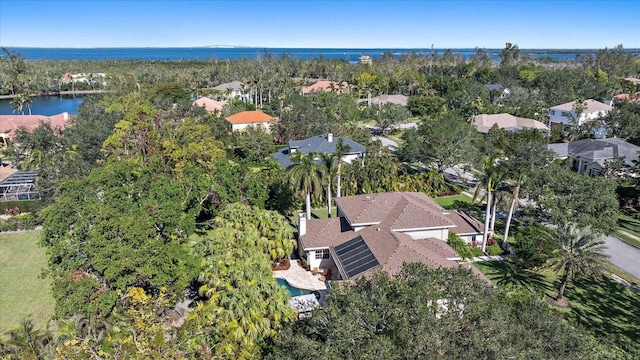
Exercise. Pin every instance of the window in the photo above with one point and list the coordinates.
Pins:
(594, 172)
(322, 254)
(553, 112)
(565, 114)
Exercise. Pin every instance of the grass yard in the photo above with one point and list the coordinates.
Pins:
(630, 225)
(322, 213)
(604, 308)
(22, 292)
(447, 201)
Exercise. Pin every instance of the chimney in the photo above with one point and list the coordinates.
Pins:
(330, 137)
(302, 225)
(65, 116)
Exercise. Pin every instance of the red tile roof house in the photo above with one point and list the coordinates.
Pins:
(9, 124)
(325, 85)
(383, 231)
(242, 120)
(209, 104)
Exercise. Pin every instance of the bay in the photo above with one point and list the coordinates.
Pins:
(45, 105)
(230, 53)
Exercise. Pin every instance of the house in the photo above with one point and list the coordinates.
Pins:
(243, 119)
(209, 104)
(365, 59)
(383, 231)
(498, 92)
(633, 80)
(9, 124)
(484, 122)
(231, 90)
(590, 156)
(565, 114)
(383, 99)
(324, 86)
(620, 98)
(325, 143)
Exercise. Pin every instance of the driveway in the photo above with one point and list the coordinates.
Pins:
(623, 256)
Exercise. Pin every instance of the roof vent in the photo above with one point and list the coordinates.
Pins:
(378, 229)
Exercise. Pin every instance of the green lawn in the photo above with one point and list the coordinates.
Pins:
(322, 213)
(22, 292)
(604, 308)
(630, 225)
(446, 201)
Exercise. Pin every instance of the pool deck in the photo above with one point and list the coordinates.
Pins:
(298, 277)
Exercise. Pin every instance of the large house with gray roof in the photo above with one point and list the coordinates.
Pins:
(325, 143)
(590, 156)
(383, 231)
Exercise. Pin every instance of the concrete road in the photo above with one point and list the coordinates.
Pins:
(623, 256)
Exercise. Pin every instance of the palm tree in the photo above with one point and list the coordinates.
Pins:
(29, 342)
(18, 104)
(330, 169)
(489, 181)
(580, 253)
(306, 176)
(341, 149)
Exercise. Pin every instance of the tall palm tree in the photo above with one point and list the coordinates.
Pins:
(328, 162)
(580, 253)
(18, 104)
(489, 181)
(306, 176)
(341, 149)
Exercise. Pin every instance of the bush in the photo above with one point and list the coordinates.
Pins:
(475, 251)
(20, 222)
(23, 205)
(459, 246)
(534, 245)
(494, 249)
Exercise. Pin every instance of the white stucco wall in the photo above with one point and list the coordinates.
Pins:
(240, 127)
(349, 158)
(468, 239)
(556, 116)
(318, 263)
(441, 234)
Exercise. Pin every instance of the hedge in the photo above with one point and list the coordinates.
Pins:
(20, 222)
(23, 205)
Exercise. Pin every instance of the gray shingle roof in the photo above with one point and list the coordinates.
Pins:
(318, 144)
(234, 85)
(598, 149)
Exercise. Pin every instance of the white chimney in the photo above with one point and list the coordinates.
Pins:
(330, 137)
(65, 116)
(302, 225)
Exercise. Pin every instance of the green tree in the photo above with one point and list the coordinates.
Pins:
(426, 105)
(329, 168)
(581, 253)
(306, 176)
(387, 115)
(440, 143)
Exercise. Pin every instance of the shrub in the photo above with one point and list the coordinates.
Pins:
(534, 245)
(20, 222)
(494, 249)
(22, 205)
(475, 251)
(459, 246)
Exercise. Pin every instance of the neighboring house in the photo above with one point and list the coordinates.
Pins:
(498, 92)
(620, 98)
(231, 90)
(633, 80)
(365, 59)
(209, 104)
(565, 114)
(383, 231)
(9, 124)
(484, 122)
(324, 86)
(590, 156)
(325, 143)
(243, 119)
(383, 99)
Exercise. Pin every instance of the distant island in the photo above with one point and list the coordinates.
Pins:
(226, 46)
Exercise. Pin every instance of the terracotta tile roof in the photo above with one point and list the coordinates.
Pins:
(210, 104)
(10, 123)
(249, 117)
(484, 122)
(324, 85)
(590, 106)
(635, 97)
(633, 80)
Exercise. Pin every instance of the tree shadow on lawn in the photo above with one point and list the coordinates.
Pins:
(506, 274)
(607, 309)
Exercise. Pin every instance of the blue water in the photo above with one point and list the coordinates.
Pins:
(294, 291)
(204, 53)
(45, 105)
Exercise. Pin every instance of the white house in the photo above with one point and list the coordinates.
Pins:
(565, 114)
(384, 230)
(325, 143)
(244, 119)
(232, 90)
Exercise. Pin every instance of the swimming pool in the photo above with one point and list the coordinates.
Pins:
(294, 291)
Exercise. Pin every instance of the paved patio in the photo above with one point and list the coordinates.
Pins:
(298, 277)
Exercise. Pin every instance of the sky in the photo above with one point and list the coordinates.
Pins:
(326, 24)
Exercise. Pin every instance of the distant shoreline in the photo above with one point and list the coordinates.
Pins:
(58, 93)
